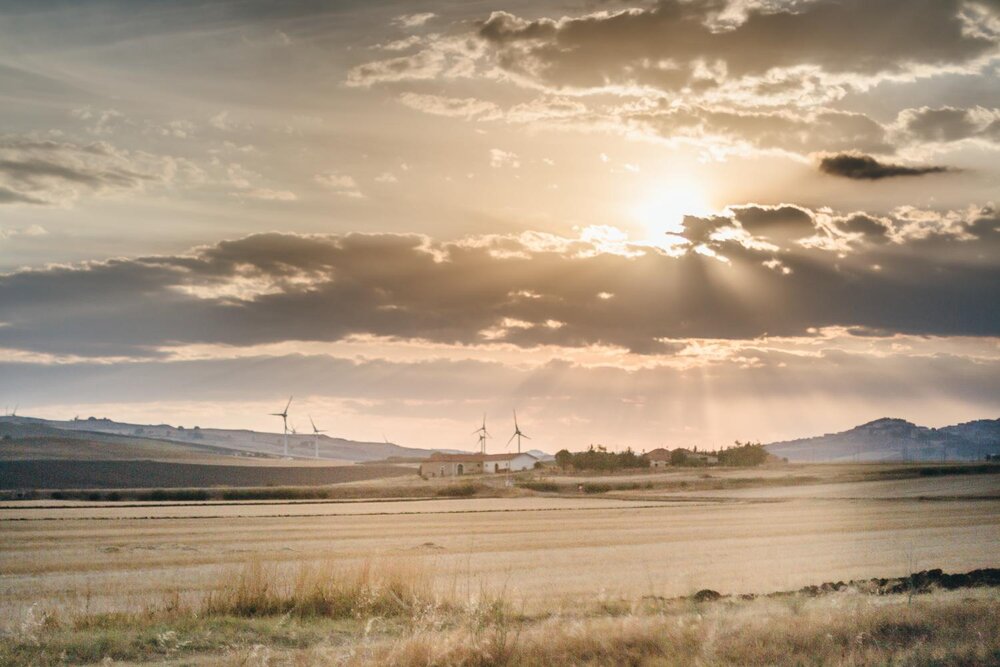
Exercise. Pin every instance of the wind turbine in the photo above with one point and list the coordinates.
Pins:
(317, 433)
(284, 422)
(483, 434)
(518, 433)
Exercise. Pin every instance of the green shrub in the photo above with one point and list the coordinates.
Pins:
(595, 487)
(544, 487)
(458, 491)
(173, 494)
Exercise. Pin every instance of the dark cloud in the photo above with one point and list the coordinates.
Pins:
(866, 168)
(277, 287)
(870, 228)
(698, 230)
(779, 222)
(985, 225)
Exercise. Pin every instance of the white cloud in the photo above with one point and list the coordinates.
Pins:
(456, 107)
(31, 231)
(267, 194)
(501, 158)
(413, 20)
(342, 184)
(223, 121)
(104, 121)
(401, 44)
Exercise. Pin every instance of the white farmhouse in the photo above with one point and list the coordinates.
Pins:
(453, 465)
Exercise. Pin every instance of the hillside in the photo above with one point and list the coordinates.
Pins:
(156, 440)
(21, 441)
(984, 432)
(896, 440)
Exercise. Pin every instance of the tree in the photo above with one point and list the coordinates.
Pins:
(564, 459)
(678, 457)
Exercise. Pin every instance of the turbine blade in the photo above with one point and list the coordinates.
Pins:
(289, 404)
(511, 438)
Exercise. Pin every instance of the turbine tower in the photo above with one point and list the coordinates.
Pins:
(317, 433)
(518, 433)
(483, 434)
(284, 422)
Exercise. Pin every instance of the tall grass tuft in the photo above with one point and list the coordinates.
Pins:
(330, 591)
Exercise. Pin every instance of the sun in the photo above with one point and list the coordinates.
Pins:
(662, 211)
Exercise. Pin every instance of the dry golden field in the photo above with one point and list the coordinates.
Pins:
(541, 554)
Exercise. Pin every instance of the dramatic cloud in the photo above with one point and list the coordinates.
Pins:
(699, 71)
(528, 290)
(866, 168)
(675, 44)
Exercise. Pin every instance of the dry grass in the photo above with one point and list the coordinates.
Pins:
(388, 590)
(836, 630)
(385, 614)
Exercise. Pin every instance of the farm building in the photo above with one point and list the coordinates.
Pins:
(453, 465)
(658, 458)
(661, 458)
(699, 457)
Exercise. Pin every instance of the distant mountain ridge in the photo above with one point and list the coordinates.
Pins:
(232, 441)
(890, 439)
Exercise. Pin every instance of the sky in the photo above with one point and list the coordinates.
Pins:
(642, 224)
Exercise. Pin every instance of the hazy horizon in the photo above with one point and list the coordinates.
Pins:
(637, 224)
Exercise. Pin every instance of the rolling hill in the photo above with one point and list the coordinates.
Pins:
(157, 441)
(896, 440)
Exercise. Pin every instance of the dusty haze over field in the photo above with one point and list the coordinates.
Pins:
(647, 223)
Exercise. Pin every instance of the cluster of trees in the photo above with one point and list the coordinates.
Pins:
(599, 458)
(742, 454)
(745, 454)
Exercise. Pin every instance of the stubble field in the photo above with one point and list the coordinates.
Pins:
(540, 554)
